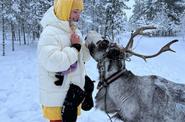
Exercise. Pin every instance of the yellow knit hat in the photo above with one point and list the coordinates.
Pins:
(63, 8)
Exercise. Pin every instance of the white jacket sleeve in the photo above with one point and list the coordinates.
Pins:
(52, 57)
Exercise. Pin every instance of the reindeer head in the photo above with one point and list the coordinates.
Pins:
(100, 47)
(96, 45)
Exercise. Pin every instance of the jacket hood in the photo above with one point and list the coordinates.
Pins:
(63, 8)
(50, 19)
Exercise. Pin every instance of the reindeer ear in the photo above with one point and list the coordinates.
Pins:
(114, 53)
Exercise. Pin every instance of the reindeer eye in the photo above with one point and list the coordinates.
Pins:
(98, 42)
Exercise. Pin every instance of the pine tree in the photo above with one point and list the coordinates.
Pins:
(111, 16)
(165, 14)
(88, 17)
(21, 18)
(174, 9)
(181, 27)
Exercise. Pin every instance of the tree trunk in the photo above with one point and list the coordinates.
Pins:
(3, 31)
(112, 19)
(24, 34)
(19, 35)
(39, 30)
(112, 32)
(19, 31)
(13, 36)
(93, 12)
(106, 23)
(28, 39)
(33, 35)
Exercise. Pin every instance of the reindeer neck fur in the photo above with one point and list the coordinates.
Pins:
(110, 67)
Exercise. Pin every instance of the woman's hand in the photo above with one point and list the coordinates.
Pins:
(75, 39)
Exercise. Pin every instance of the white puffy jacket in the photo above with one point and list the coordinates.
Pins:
(56, 55)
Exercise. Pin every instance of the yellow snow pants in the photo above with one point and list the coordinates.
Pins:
(54, 113)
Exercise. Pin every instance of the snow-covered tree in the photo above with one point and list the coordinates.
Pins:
(37, 8)
(105, 16)
(88, 17)
(181, 27)
(165, 14)
(3, 27)
(111, 16)
(22, 18)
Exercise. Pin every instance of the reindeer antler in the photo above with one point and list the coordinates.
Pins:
(139, 31)
(163, 49)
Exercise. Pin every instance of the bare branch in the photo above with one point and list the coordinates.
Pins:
(163, 49)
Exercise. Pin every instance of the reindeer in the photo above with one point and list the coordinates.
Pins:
(134, 98)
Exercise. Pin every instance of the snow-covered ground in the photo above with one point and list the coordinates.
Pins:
(19, 101)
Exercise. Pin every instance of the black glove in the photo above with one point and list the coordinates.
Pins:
(74, 97)
(87, 104)
(60, 77)
(69, 114)
(77, 46)
(114, 53)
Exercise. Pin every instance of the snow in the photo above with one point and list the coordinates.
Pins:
(19, 96)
